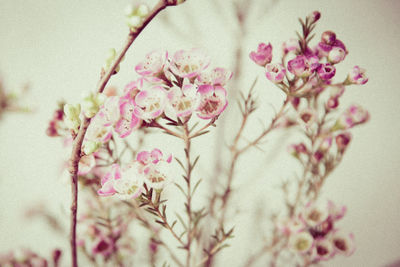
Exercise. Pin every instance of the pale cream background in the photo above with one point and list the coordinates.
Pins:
(59, 47)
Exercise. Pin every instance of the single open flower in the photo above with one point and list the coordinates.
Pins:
(128, 120)
(343, 244)
(303, 66)
(326, 71)
(182, 102)
(189, 63)
(314, 215)
(301, 242)
(352, 116)
(150, 102)
(212, 101)
(153, 64)
(323, 250)
(275, 72)
(357, 76)
(263, 55)
(218, 76)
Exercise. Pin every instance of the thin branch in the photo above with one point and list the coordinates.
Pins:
(77, 143)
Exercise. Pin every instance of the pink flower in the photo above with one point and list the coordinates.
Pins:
(323, 250)
(189, 63)
(307, 116)
(353, 116)
(342, 141)
(343, 244)
(314, 215)
(182, 102)
(303, 66)
(297, 149)
(290, 45)
(326, 71)
(110, 110)
(357, 76)
(153, 64)
(128, 120)
(154, 167)
(275, 72)
(212, 101)
(126, 183)
(150, 102)
(218, 76)
(263, 55)
(103, 246)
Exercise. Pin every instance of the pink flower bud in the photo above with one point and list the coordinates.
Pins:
(353, 116)
(328, 37)
(342, 141)
(275, 72)
(263, 55)
(332, 103)
(336, 55)
(314, 17)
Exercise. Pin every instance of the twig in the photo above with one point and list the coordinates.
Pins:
(77, 144)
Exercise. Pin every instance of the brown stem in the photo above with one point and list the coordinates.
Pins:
(77, 144)
(186, 139)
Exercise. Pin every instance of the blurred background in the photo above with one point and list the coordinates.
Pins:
(58, 47)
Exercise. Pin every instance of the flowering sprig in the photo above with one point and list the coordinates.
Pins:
(306, 75)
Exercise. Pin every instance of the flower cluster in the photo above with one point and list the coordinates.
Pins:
(127, 183)
(173, 88)
(309, 68)
(313, 233)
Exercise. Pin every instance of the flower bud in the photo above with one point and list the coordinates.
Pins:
(332, 103)
(336, 55)
(91, 104)
(342, 141)
(328, 37)
(314, 17)
(72, 119)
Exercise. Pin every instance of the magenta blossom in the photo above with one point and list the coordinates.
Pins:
(212, 101)
(275, 72)
(357, 76)
(303, 66)
(263, 55)
(326, 71)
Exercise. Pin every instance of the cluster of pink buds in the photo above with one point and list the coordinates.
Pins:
(313, 233)
(304, 69)
(150, 168)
